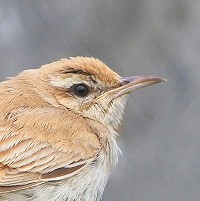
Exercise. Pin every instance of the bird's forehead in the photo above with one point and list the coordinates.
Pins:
(85, 68)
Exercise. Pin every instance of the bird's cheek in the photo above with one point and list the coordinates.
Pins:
(68, 102)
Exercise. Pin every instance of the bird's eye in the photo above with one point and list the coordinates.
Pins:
(80, 90)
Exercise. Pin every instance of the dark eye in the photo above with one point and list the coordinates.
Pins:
(80, 90)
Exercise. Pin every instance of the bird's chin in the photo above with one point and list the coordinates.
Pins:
(109, 114)
(116, 110)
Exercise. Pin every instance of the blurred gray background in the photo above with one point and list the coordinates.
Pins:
(159, 136)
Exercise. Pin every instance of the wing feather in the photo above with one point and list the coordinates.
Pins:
(32, 153)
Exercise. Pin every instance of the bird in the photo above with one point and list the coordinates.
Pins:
(58, 128)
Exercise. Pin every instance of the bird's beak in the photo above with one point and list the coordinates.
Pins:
(129, 84)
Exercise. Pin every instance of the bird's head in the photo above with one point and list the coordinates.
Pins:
(88, 87)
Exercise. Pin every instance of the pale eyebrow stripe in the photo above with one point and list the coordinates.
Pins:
(66, 83)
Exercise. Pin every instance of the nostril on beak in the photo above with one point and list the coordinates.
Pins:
(141, 80)
(125, 80)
